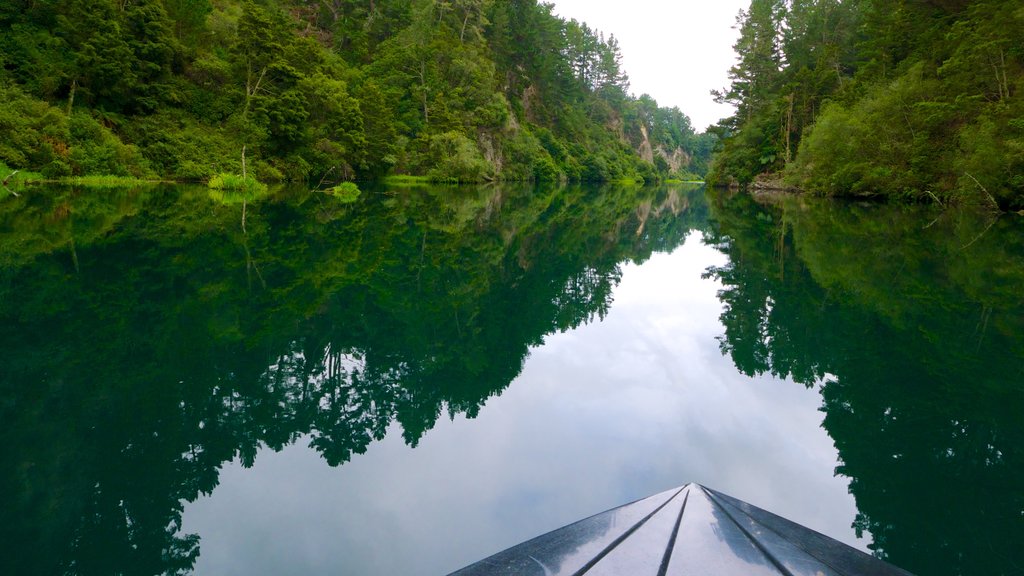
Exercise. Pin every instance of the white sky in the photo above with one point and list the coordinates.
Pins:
(675, 50)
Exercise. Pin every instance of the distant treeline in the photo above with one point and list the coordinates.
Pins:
(458, 90)
(913, 99)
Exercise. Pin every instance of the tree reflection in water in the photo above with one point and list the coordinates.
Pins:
(147, 340)
(911, 323)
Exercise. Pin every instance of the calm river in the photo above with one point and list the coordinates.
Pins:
(407, 383)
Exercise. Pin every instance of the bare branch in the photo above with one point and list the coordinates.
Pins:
(8, 178)
(995, 205)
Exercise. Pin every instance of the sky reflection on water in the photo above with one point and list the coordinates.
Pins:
(601, 415)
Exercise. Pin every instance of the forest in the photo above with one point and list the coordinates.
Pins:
(913, 100)
(315, 90)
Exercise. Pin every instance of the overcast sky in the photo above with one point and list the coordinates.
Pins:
(677, 51)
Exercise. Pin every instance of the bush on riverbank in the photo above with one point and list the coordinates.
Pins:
(236, 183)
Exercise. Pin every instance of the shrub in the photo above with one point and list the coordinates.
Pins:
(346, 191)
(527, 159)
(235, 183)
(457, 159)
(35, 133)
(96, 150)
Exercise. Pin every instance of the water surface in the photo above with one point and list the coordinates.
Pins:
(410, 382)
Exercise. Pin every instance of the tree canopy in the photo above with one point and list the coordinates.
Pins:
(460, 90)
(901, 98)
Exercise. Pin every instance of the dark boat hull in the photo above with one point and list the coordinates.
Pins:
(690, 530)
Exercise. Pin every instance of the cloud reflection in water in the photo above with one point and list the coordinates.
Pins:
(607, 413)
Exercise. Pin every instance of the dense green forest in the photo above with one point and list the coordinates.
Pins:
(912, 99)
(459, 90)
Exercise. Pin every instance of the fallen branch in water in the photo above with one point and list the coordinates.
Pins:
(995, 204)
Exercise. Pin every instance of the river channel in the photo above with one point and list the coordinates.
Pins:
(409, 381)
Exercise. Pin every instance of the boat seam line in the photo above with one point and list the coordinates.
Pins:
(607, 550)
(810, 552)
(672, 539)
(771, 557)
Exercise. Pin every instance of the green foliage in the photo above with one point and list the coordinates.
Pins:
(460, 91)
(106, 181)
(176, 143)
(35, 134)
(876, 144)
(346, 191)
(17, 178)
(236, 183)
(405, 180)
(42, 138)
(920, 105)
(527, 159)
(991, 160)
(97, 150)
(457, 159)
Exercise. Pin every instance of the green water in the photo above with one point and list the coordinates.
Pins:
(496, 361)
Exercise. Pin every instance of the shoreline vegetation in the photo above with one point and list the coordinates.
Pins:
(13, 180)
(235, 182)
(883, 99)
(466, 92)
(897, 100)
(233, 189)
(244, 184)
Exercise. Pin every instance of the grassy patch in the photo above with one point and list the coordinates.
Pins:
(236, 183)
(627, 182)
(346, 192)
(23, 177)
(105, 181)
(20, 178)
(406, 180)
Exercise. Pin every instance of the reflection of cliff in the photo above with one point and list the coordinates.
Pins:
(145, 346)
(919, 342)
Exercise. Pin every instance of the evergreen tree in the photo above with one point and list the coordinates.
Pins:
(917, 100)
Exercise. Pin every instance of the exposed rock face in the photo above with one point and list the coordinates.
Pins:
(771, 183)
(490, 151)
(529, 95)
(677, 159)
(644, 150)
(616, 124)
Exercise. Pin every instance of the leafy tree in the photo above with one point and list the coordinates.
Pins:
(315, 89)
(883, 97)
